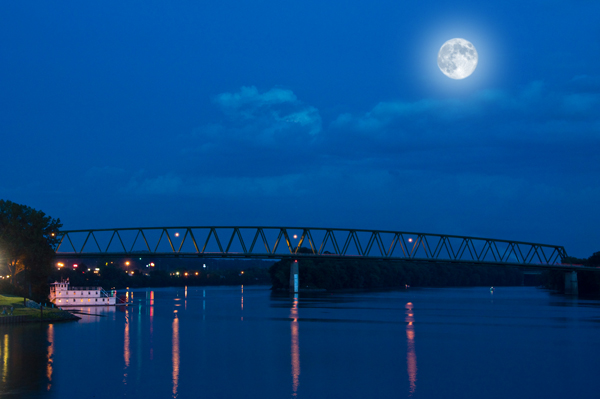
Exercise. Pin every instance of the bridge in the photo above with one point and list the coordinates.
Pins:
(309, 242)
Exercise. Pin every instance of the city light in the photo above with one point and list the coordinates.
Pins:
(295, 236)
(176, 234)
(410, 240)
(75, 266)
(185, 274)
(127, 263)
(196, 273)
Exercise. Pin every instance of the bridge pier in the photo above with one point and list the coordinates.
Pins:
(571, 283)
(294, 277)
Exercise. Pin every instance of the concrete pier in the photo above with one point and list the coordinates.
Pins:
(571, 283)
(294, 277)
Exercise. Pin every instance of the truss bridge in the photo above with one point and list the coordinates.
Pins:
(304, 242)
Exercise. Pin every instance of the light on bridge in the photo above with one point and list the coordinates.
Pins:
(176, 234)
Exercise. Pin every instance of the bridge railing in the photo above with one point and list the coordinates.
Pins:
(281, 242)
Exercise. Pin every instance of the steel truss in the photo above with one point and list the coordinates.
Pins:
(294, 242)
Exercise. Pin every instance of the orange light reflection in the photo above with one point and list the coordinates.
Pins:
(49, 358)
(175, 356)
(151, 324)
(5, 358)
(411, 356)
(295, 347)
(126, 348)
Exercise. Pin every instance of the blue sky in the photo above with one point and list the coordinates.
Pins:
(333, 114)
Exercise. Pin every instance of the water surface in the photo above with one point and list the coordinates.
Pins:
(246, 342)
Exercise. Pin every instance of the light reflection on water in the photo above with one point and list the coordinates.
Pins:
(295, 347)
(5, 358)
(175, 355)
(411, 356)
(49, 356)
(126, 346)
(151, 314)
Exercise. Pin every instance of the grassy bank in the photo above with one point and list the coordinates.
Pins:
(32, 314)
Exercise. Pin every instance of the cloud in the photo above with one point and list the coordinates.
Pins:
(276, 111)
(504, 126)
(209, 186)
(250, 98)
(260, 134)
(161, 185)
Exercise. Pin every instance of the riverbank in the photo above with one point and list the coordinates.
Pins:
(24, 314)
(333, 274)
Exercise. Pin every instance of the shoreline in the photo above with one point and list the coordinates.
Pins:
(28, 314)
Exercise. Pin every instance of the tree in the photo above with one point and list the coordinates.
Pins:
(27, 241)
(594, 260)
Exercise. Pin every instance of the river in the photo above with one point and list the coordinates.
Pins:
(226, 342)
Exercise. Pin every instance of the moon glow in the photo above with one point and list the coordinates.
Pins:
(457, 58)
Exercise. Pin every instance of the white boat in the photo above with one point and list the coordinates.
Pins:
(63, 295)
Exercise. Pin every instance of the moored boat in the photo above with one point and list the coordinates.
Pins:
(63, 295)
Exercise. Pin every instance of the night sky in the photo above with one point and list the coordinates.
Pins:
(305, 113)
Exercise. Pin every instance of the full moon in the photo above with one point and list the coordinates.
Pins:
(457, 58)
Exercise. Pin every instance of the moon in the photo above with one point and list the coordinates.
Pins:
(457, 58)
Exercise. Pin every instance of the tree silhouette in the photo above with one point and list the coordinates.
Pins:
(27, 239)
